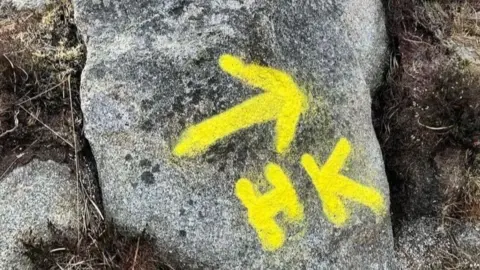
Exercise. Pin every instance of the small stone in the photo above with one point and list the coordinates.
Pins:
(30, 197)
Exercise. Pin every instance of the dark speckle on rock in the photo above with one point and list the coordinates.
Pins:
(147, 177)
(156, 168)
(146, 125)
(145, 163)
(190, 202)
(196, 96)
(128, 157)
(100, 72)
(241, 253)
(146, 104)
(309, 185)
(181, 123)
(177, 105)
(182, 233)
(182, 212)
(180, 7)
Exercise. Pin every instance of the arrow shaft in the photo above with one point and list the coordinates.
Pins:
(253, 111)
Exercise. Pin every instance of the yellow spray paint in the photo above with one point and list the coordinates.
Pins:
(282, 101)
(333, 187)
(263, 208)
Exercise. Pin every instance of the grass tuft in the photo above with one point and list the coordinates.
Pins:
(110, 249)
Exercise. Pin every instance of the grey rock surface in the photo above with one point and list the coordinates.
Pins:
(431, 243)
(419, 244)
(30, 196)
(153, 71)
(23, 4)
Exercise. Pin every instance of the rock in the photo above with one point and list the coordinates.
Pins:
(466, 239)
(23, 4)
(429, 243)
(156, 69)
(419, 244)
(30, 196)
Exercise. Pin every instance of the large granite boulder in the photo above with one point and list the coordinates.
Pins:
(30, 198)
(212, 121)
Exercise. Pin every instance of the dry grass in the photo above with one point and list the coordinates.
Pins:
(465, 205)
(430, 102)
(41, 58)
(465, 39)
(109, 250)
(427, 118)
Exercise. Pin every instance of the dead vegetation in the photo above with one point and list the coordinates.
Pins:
(40, 63)
(427, 117)
(430, 102)
(41, 59)
(109, 250)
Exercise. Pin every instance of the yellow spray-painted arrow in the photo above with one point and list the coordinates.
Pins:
(333, 187)
(282, 101)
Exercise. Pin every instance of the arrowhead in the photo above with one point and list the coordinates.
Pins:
(286, 98)
(282, 102)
